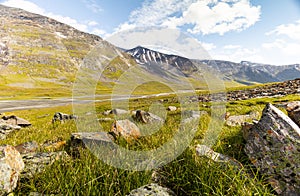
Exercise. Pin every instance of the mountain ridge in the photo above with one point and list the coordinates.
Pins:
(243, 71)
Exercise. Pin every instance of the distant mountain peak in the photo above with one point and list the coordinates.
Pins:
(148, 57)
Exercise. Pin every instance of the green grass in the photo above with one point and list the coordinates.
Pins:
(186, 175)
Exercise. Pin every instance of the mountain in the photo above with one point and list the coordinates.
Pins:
(145, 56)
(244, 72)
(43, 54)
(37, 51)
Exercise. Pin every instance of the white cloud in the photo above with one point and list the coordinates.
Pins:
(290, 30)
(208, 46)
(93, 6)
(236, 53)
(287, 48)
(286, 44)
(98, 32)
(26, 5)
(231, 47)
(202, 16)
(31, 7)
(162, 39)
(92, 23)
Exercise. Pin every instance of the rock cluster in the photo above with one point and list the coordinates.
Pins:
(11, 123)
(273, 146)
(277, 89)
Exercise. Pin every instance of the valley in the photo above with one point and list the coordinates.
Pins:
(80, 116)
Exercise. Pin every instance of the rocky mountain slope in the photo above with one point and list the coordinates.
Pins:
(244, 72)
(36, 51)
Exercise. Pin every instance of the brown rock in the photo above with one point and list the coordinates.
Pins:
(11, 165)
(126, 129)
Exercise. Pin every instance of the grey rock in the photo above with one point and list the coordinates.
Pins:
(273, 147)
(79, 139)
(36, 162)
(147, 117)
(11, 165)
(118, 112)
(16, 121)
(61, 117)
(152, 190)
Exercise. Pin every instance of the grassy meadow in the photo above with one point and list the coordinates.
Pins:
(186, 175)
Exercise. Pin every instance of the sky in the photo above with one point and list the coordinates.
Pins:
(261, 31)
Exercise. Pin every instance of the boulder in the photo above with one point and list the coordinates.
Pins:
(293, 110)
(147, 117)
(172, 108)
(36, 162)
(240, 119)
(11, 165)
(272, 145)
(16, 121)
(126, 129)
(79, 139)
(152, 190)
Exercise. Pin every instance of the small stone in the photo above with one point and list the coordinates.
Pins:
(172, 108)
(152, 190)
(105, 119)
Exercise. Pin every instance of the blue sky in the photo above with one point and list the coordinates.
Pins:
(263, 31)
